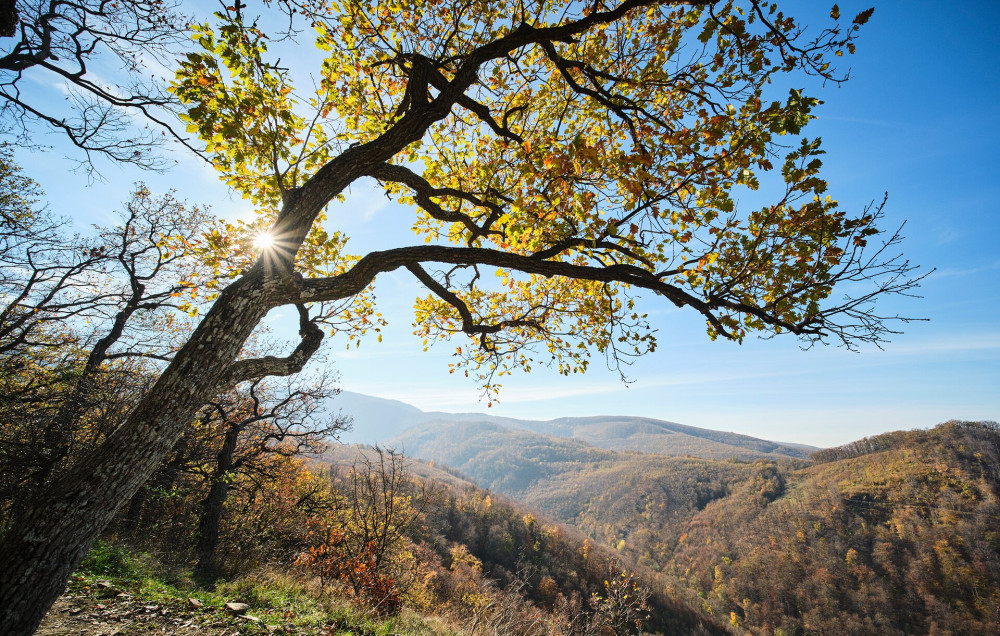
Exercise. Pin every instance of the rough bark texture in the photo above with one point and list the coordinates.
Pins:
(211, 507)
(49, 540)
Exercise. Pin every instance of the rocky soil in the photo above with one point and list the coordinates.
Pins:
(101, 610)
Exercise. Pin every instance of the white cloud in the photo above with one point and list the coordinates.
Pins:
(972, 342)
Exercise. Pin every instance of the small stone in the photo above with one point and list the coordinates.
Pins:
(104, 585)
(237, 609)
(194, 603)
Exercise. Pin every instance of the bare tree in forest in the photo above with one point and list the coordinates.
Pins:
(62, 42)
(85, 325)
(580, 154)
(238, 436)
(362, 543)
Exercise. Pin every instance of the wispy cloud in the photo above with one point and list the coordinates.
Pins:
(987, 341)
(464, 396)
(958, 272)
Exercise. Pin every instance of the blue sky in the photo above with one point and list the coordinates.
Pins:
(919, 120)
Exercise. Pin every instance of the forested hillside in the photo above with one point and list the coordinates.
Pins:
(514, 552)
(398, 542)
(896, 534)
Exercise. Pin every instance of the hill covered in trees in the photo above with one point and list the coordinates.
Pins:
(895, 534)
(410, 547)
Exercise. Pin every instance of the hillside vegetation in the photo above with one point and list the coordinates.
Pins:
(636, 502)
(894, 534)
(898, 534)
(361, 541)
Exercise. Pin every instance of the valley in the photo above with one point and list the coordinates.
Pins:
(893, 534)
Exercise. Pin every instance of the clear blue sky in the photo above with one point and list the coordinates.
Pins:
(919, 120)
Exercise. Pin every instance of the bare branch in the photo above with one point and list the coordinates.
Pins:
(254, 368)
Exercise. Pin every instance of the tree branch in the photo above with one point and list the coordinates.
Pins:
(469, 324)
(424, 191)
(251, 369)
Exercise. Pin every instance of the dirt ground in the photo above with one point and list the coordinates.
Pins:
(104, 611)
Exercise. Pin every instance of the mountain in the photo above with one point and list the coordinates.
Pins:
(526, 571)
(381, 421)
(621, 498)
(665, 438)
(897, 534)
(894, 534)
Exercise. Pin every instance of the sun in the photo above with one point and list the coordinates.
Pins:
(263, 241)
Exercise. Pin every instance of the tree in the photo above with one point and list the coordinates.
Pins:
(363, 544)
(62, 42)
(76, 349)
(583, 152)
(244, 430)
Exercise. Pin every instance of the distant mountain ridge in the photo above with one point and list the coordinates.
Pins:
(892, 534)
(382, 421)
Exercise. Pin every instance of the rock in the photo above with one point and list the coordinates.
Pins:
(104, 585)
(194, 603)
(237, 609)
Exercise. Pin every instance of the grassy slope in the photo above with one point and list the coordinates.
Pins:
(121, 592)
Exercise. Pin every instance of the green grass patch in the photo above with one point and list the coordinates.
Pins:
(108, 560)
(276, 598)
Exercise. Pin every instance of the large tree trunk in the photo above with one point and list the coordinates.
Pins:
(51, 536)
(211, 507)
(48, 541)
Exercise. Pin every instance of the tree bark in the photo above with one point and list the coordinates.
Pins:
(49, 539)
(211, 507)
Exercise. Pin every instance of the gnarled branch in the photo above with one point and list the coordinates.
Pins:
(254, 368)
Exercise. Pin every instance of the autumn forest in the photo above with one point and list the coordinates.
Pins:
(174, 445)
